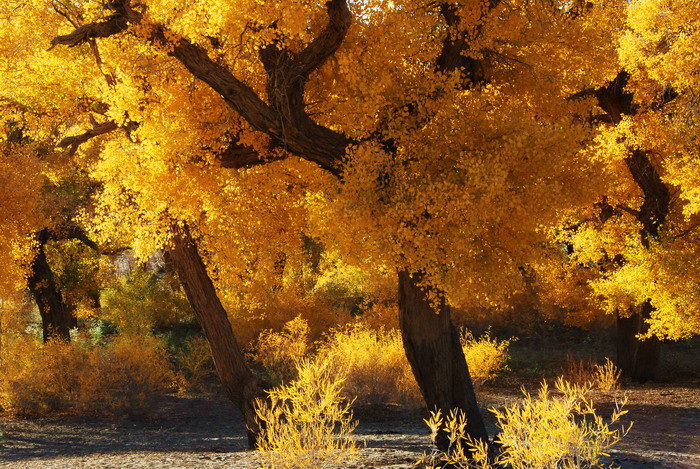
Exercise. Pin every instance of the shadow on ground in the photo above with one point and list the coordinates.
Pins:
(207, 431)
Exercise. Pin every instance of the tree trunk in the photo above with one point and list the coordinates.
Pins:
(56, 319)
(647, 364)
(239, 382)
(627, 342)
(637, 359)
(433, 349)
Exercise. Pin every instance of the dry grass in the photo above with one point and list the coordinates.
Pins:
(279, 352)
(196, 365)
(603, 377)
(371, 360)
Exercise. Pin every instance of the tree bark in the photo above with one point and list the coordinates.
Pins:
(239, 382)
(638, 359)
(647, 364)
(433, 349)
(56, 318)
(627, 343)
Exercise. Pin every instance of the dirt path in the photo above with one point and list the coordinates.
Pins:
(206, 432)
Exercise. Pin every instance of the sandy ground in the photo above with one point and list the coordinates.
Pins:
(206, 431)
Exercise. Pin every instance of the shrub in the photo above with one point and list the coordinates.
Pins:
(606, 377)
(372, 361)
(374, 364)
(543, 432)
(307, 423)
(486, 356)
(120, 377)
(279, 352)
(603, 377)
(195, 364)
(143, 301)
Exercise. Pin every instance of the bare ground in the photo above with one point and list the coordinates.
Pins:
(205, 431)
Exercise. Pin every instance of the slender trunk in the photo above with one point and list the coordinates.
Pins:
(56, 318)
(239, 382)
(433, 349)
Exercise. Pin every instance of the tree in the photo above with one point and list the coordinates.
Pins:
(448, 126)
(642, 235)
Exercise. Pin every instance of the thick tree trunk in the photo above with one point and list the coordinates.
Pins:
(434, 351)
(56, 318)
(647, 364)
(239, 382)
(637, 359)
(627, 342)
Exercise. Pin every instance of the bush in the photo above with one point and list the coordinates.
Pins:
(195, 364)
(486, 356)
(372, 361)
(121, 377)
(583, 372)
(374, 364)
(606, 377)
(543, 432)
(307, 423)
(279, 352)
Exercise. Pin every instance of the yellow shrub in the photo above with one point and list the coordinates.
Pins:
(124, 376)
(118, 378)
(606, 377)
(542, 432)
(486, 356)
(307, 423)
(279, 352)
(374, 364)
(196, 365)
(603, 377)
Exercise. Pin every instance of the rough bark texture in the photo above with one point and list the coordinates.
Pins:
(56, 319)
(239, 382)
(434, 351)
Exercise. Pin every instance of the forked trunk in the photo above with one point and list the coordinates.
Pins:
(239, 382)
(56, 318)
(433, 349)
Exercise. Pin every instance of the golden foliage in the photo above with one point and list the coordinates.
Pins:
(307, 422)
(120, 377)
(603, 377)
(546, 431)
(606, 376)
(373, 363)
(141, 301)
(486, 356)
(279, 352)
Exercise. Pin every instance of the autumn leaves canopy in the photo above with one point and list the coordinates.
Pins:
(480, 147)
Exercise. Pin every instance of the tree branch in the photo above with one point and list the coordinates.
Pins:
(327, 43)
(289, 126)
(117, 22)
(76, 140)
